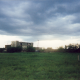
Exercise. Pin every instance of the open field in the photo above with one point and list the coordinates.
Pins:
(39, 66)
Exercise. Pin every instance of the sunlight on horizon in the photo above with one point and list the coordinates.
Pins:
(6, 40)
(55, 43)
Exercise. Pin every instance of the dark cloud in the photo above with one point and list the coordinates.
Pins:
(38, 18)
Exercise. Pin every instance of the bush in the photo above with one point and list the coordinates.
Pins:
(18, 49)
(14, 49)
(2, 49)
(60, 49)
(30, 49)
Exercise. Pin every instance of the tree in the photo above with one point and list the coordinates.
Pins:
(61, 49)
(14, 49)
(30, 49)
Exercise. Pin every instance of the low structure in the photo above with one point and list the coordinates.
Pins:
(38, 49)
(7, 46)
(49, 49)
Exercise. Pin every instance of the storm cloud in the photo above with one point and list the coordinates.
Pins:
(32, 18)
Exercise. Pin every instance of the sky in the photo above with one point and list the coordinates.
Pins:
(46, 23)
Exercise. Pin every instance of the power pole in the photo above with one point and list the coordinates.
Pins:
(38, 45)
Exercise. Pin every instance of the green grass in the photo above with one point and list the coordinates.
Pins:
(39, 66)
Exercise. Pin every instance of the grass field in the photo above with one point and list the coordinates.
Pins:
(39, 66)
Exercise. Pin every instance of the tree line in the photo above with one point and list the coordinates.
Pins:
(18, 49)
(70, 49)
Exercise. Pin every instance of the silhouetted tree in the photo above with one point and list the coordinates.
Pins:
(30, 49)
(14, 49)
(60, 49)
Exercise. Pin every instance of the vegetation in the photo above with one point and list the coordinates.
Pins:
(14, 49)
(61, 49)
(70, 49)
(30, 49)
(39, 66)
(2, 49)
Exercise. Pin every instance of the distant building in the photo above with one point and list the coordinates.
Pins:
(37, 49)
(25, 44)
(49, 49)
(22, 44)
(7, 46)
(15, 44)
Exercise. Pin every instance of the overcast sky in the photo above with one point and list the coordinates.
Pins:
(53, 22)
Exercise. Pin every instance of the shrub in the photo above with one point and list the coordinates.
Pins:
(2, 49)
(60, 49)
(30, 49)
(14, 49)
(18, 49)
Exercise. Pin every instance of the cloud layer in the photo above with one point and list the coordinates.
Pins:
(42, 19)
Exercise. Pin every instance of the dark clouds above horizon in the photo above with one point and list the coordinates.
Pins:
(41, 19)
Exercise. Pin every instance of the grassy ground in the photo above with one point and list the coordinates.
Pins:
(39, 66)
